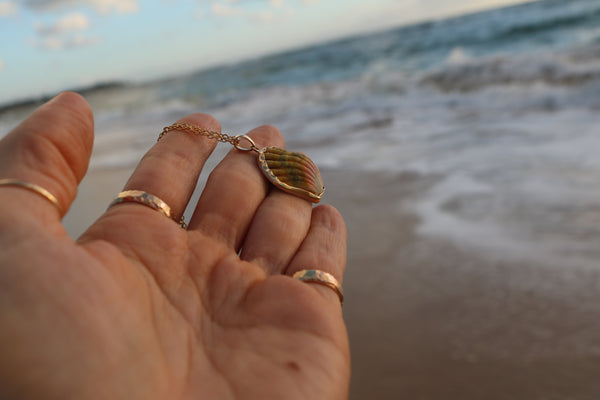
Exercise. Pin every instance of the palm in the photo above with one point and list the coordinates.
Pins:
(153, 311)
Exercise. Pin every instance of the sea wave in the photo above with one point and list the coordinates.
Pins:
(550, 68)
(343, 120)
(544, 16)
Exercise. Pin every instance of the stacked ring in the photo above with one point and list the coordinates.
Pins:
(140, 197)
(147, 199)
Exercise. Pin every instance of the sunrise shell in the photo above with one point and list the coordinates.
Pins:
(293, 172)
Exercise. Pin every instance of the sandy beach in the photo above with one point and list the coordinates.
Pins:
(431, 319)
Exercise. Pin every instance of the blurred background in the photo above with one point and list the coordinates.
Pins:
(459, 139)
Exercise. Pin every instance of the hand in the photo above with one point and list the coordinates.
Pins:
(139, 308)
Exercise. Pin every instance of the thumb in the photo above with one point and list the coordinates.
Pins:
(51, 149)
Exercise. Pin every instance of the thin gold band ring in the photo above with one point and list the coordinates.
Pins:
(33, 188)
(321, 278)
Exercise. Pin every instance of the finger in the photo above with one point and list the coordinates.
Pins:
(51, 149)
(234, 191)
(324, 248)
(170, 169)
(279, 227)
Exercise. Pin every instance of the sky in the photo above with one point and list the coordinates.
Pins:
(50, 45)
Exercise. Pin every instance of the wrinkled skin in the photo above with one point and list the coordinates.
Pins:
(138, 308)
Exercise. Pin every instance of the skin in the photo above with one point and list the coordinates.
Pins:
(138, 308)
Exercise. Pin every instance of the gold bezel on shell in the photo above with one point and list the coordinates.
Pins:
(308, 195)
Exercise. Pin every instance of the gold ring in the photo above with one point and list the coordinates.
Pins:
(322, 278)
(34, 188)
(147, 199)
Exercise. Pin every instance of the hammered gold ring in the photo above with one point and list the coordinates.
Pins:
(141, 197)
(34, 188)
(321, 278)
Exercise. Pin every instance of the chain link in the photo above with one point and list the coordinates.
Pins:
(220, 137)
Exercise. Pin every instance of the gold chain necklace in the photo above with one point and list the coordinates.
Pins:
(290, 171)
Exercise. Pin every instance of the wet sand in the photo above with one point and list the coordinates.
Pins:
(432, 319)
(429, 319)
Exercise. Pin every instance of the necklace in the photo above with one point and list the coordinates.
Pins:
(289, 171)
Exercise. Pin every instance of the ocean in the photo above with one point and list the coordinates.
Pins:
(501, 106)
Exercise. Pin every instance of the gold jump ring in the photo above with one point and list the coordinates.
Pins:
(237, 145)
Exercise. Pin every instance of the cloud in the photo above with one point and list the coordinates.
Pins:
(119, 6)
(1, 64)
(226, 10)
(261, 16)
(54, 43)
(223, 10)
(252, 10)
(65, 33)
(70, 22)
(102, 6)
(7, 8)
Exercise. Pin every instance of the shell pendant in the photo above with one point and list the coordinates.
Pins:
(292, 172)
(289, 171)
